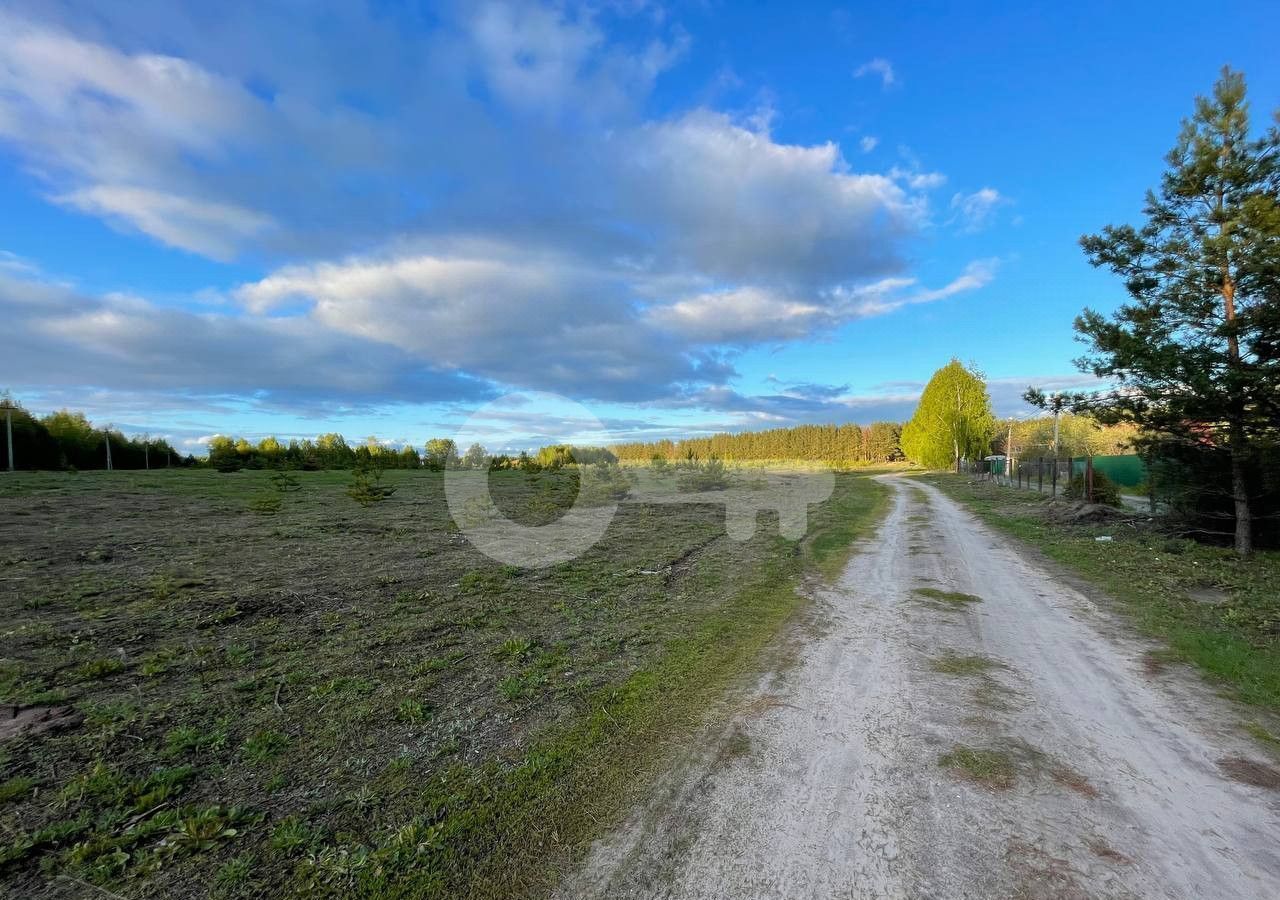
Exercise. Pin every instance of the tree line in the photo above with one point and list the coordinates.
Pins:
(838, 445)
(67, 440)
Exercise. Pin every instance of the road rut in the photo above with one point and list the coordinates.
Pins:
(1107, 778)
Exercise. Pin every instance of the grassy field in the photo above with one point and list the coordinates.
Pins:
(322, 699)
(1214, 610)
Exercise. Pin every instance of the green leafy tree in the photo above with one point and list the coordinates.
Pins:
(441, 453)
(952, 421)
(881, 442)
(1196, 350)
(476, 457)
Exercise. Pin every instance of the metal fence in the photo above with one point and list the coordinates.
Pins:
(1053, 476)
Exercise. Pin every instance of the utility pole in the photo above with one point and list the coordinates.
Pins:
(1008, 452)
(146, 454)
(108, 437)
(8, 428)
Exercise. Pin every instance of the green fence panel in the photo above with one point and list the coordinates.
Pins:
(1127, 470)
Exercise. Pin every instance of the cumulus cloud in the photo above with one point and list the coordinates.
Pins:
(869, 143)
(531, 320)
(733, 203)
(61, 338)
(438, 212)
(877, 67)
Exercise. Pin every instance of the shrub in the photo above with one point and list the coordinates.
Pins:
(707, 476)
(366, 486)
(1105, 491)
(601, 484)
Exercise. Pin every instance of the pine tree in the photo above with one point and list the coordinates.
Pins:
(1196, 351)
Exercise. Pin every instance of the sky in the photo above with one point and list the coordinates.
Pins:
(607, 220)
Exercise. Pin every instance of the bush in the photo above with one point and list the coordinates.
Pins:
(601, 484)
(1105, 491)
(707, 476)
(366, 486)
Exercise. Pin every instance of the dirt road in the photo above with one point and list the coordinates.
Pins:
(1014, 743)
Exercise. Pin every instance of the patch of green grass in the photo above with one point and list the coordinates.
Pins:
(99, 668)
(991, 768)
(264, 746)
(951, 598)
(292, 835)
(17, 786)
(1155, 578)
(852, 513)
(954, 664)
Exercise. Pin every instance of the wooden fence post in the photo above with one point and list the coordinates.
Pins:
(1054, 477)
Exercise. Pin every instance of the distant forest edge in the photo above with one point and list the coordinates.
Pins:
(68, 440)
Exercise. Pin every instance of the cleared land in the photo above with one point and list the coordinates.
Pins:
(327, 699)
(958, 721)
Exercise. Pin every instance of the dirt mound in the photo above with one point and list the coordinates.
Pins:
(1083, 513)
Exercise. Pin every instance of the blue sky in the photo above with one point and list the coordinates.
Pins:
(300, 217)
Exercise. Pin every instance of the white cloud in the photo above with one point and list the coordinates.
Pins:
(754, 315)
(869, 143)
(499, 312)
(975, 211)
(878, 66)
(213, 229)
(733, 203)
(483, 203)
(128, 344)
(742, 314)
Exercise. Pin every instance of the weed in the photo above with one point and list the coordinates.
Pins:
(513, 687)
(413, 712)
(234, 871)
(239, 654)
(514, 648)
(103, 667)
(203, 829)
(263, 746)
(952, 598)
(954, 664)
(18, 786)
(157, 663)
(188, 739)
(292, 836)
(992, 768)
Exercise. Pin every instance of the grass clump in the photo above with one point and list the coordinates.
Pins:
(951, 598)
(991, 768)
(18, 786)
(954, 664)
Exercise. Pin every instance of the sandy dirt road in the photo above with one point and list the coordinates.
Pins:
(1106, 779)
